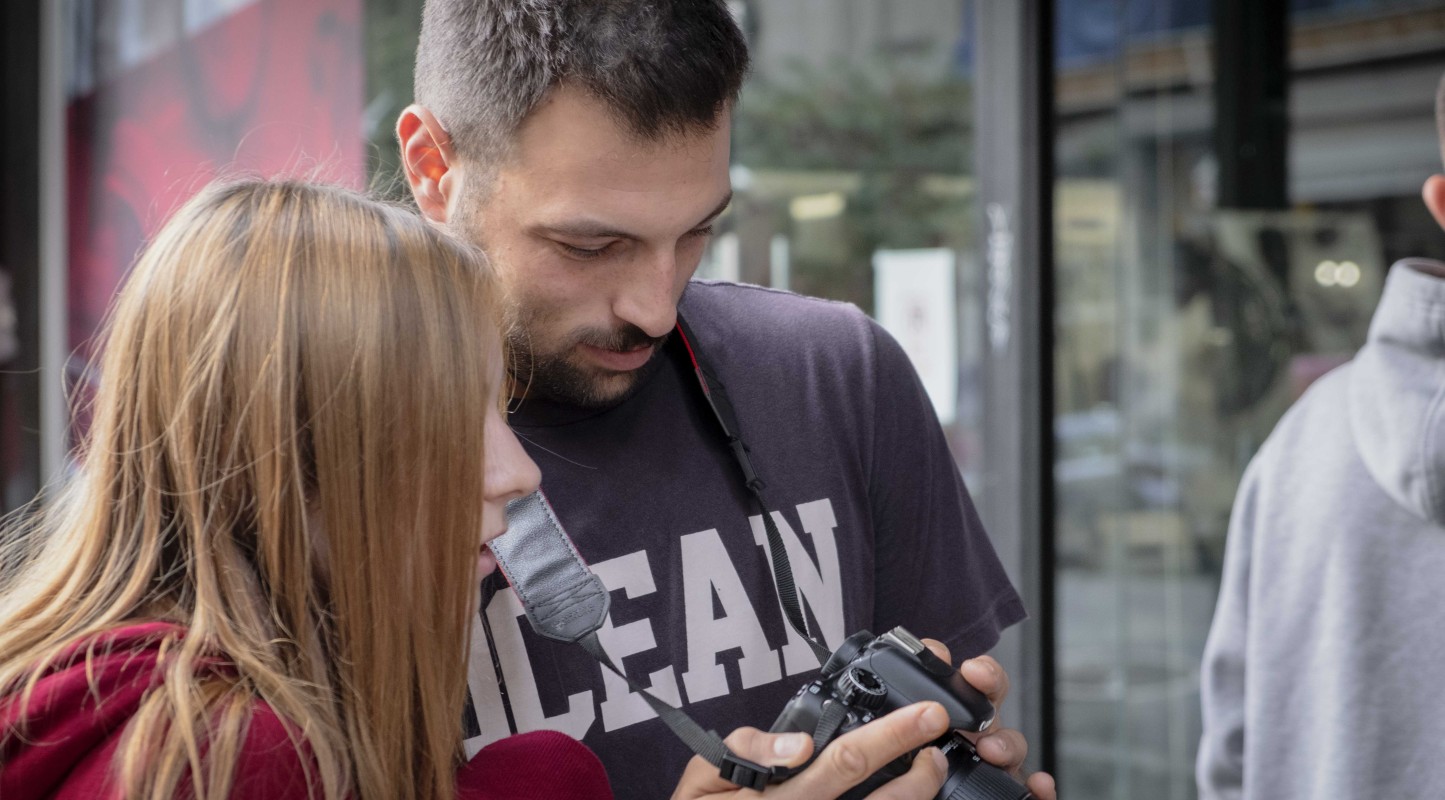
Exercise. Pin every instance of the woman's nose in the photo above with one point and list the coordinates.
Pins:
(511, 472)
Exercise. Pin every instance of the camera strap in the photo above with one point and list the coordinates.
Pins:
(727, 419)
(566, 602)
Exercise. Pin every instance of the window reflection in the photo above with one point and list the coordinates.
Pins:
(853, 179)
(1184, 331)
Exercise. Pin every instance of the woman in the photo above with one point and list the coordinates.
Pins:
(276, 508)
(260, 582)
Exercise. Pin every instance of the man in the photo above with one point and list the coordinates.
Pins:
(1322, 669)
(584, 146)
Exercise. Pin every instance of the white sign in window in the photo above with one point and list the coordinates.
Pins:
(914, 299)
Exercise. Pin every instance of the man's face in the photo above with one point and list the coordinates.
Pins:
(595, 234)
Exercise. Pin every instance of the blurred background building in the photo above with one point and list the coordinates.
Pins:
(1117, 237)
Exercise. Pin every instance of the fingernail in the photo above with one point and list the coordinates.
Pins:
(939, 760)
(1001, 745)
(789, 745)
(932, 719)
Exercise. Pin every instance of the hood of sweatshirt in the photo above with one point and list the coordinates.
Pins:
(1397, 390)
(77, 707)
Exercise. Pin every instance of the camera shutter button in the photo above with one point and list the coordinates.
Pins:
(861, 690)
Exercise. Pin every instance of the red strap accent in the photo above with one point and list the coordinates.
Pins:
(685, 343)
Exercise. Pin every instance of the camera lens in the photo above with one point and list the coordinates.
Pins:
(971, 778)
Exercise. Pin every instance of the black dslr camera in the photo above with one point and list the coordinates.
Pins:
(868, 677)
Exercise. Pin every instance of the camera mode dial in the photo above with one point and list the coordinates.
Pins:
(861, 690)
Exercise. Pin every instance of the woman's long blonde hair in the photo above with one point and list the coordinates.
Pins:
(285, 459)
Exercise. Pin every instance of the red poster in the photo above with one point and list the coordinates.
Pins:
(181, 92)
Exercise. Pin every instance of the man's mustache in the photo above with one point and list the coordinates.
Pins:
(628, 337)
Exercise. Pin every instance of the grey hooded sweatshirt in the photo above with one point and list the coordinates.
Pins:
(1324, 673)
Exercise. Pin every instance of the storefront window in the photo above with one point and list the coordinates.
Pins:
(853, 178)
(1185, 330)
(392, 28)
(165, 96)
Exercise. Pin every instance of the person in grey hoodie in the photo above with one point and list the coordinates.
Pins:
(1324, 672)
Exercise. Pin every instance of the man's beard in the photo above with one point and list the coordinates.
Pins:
(554, 377)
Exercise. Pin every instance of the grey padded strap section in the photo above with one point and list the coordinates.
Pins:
(563, 598)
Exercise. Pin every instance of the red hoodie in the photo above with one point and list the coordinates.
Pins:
(71, 734)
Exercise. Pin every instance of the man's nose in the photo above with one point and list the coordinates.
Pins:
(649, 300)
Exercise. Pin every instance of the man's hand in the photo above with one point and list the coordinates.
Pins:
(1000, 746)
(844, 763)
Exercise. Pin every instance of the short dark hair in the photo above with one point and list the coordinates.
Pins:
(662, 66)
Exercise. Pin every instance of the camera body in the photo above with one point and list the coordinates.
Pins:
(869, 676)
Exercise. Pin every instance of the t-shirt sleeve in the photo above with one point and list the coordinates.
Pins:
(937, 573)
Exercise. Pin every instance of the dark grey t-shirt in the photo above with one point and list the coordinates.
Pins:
(880, 530)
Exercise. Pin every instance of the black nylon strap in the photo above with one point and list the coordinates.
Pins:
(783, 578)
(722, 408)
(703, 742)
(828, 723)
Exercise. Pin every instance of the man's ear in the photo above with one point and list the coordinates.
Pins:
(429, 160)
(1434, 195)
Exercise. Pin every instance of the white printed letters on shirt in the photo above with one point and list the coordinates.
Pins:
(707, 572)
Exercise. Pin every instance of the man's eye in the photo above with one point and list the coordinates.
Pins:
(581, 252)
